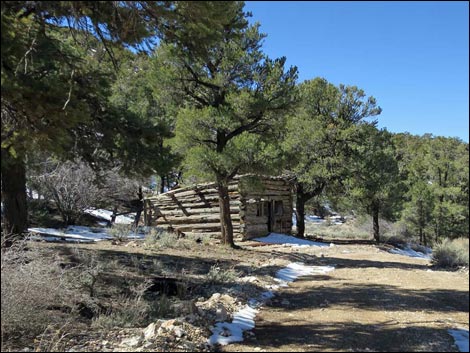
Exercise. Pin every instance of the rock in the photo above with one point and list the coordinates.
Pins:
(221, 313)
(189, 346)
(150, 331)
(192, 318)
(249, 279)
(214, 297)
(148, 345)
(183, 308)
(225, 298)
(179, 332)
(168, 324)
(132, 342)
(201, 312)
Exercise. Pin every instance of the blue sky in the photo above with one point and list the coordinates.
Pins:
(413, 57)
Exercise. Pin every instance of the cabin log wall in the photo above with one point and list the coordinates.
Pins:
(195, 210)
(268, 191)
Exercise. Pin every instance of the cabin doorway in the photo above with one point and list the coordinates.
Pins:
(269, 212)
(272, 210)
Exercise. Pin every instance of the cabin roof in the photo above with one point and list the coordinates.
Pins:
(201, 186)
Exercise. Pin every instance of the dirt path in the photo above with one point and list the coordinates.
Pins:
(372, 301)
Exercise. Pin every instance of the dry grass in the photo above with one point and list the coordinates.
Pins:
(120, 232)
(32, 283)
(361, 229)
(451, 253)
(133, 312)
(160, 239)
(352, 229)
(44, 289)
(217, 275)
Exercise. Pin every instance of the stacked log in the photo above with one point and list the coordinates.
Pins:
(193, 210)
(255, 223)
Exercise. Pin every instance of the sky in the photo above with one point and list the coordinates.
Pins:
(413, 57)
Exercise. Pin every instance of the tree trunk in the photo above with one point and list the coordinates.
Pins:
(300, 214)
(140, 209)
(15, 211)
(302, 197)
(375, 221)
(162, 184)
(420, 205)
(113, 216)
(225, 219)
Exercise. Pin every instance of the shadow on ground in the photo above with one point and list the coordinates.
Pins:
(350, 337)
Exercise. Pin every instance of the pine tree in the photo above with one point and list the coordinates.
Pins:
(56, 82)
(320, 138)
(375, 184)
(435, 173)
(235, 98)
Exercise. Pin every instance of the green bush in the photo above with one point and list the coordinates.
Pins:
(451, 253)
(161, 239)
(120, 232)
(219, 275)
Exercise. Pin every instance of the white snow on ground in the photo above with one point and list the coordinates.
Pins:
(79, 233)
(106, 214)
(295, 269)
(314, 219)
(225, 332)
(317, 220)
(275, 238)
(460, 338)
(408, 251)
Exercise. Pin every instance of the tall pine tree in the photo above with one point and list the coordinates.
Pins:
(321, 136)
(235, 97)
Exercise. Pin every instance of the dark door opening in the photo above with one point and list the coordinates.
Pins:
(269, 213)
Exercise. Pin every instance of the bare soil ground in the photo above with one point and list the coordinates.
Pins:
(372, 301)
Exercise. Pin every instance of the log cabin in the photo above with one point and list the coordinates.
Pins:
(259, 205)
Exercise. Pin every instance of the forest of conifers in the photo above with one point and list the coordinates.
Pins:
(184, 90)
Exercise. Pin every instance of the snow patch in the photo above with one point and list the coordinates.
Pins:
(276, 238)
(461, 339)
(79, 233)
(106, 214)
(314, 219)
(408, 251)
(225, 332)
(337, 220)
(296, 269)
(228, 332)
